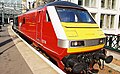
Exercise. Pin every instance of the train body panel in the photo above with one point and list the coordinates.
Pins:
(85, 49)
(63, 30)
(82, 31)
(35, 26)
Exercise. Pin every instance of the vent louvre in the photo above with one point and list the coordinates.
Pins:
(91, 42)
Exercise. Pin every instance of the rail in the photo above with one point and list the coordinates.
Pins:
(113, 42)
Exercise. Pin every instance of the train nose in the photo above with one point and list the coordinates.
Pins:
(84, 62)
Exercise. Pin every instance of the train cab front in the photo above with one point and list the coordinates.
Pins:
(77, 31)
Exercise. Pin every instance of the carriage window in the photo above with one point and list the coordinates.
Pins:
(74, 15)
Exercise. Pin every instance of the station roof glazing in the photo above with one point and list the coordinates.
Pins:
(11, 1)
(10, 6)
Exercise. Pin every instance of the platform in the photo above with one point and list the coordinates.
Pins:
(11, 60)
(17, 58)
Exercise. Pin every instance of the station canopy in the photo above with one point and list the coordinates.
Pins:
(10, 7)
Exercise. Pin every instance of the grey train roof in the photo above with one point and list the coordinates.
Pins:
(62, 3)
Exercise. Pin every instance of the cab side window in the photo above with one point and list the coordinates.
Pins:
(47, 17)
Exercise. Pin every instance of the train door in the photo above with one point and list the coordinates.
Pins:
(39, 25)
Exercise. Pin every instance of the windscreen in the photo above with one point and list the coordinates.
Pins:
(74, 15)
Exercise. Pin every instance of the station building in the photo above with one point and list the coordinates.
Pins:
(105, 12)
(9, 9)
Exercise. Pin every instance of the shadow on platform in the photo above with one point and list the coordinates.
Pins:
(5, 42)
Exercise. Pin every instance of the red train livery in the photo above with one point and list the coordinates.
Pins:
(67, 33)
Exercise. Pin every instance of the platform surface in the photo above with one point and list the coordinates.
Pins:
(11, 60)
(17, 58)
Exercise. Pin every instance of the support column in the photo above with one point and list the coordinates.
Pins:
(74, 1)
(36, 4)
(8, 19)
(2, 14)
(98, 14)
(116, 20)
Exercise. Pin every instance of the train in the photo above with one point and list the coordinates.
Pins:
(68, 33)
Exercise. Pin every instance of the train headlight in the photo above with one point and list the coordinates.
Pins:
(102, 41)
(77, 43)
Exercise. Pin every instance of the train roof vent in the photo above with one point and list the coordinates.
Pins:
(62, 3)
